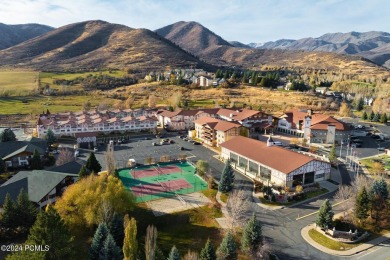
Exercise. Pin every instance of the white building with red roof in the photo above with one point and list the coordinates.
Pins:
(314, 127)
(273, 164)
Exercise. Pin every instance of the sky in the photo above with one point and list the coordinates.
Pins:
(235, 20)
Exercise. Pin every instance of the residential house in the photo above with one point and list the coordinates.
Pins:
(273, 164)
(322, 90)
(213, 131)
(18, 153)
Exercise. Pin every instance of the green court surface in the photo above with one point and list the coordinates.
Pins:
(185, 175)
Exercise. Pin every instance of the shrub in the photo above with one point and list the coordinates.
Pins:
(273, 198)
(299, 188)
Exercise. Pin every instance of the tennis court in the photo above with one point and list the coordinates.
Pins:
(162, 180)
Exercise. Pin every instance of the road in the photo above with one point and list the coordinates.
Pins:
(380, 251)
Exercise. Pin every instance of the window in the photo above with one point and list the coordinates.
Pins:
(243, 163)
(319, 176)
(265, 172)
(234, 158)
(253, 167)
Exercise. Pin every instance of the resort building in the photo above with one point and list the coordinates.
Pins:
(213, 131)
(273, 164)
(314, 127)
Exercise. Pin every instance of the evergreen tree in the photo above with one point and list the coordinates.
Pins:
(251, 236)
(84, 172)
(359, 104)
(377, 116)
(226, 182)
(8, 214)
(364, 115)
(379, 187)
(228, 249)
(174, 254)
(98, 240)
(325, 215)
(36, 162)
(92, 163)
(332, 154)
(7, 135)
(26, 212)
(371, 116)
(130, 244)
(110, 251)
(362, 204)
(49, 229)
(50, 137)
(117, 229)
(383, 119)
(208, 252)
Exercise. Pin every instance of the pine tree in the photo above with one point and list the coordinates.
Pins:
(174, 254)
(110, 251)
(117, 229)
(130, 244)
(364, 115)
(49, 229)
(377, 116)
(26, 212)
(371, 116)
(84, 172)
(325, 215)
(332, 154)
(92, 163)
(383, 119)
(208, 252)
(359, 104)
(98, 240)
(9, 212)
(7, 135)
(50, 137)
(36, 162)
(379, 187)
(228, 249)
(226, 182)
(251, 236)
(362, 204)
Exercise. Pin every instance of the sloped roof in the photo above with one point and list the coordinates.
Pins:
(9, 149)
(37, 184)
(213, 123)
(275, 157)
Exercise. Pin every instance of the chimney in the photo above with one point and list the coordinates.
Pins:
(310, 112)
(231, 114)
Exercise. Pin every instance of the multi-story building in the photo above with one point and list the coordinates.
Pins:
(213, 131)
(314, 127)
(94, 122)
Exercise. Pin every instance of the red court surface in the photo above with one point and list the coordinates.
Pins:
(139, 174)
(150, 189)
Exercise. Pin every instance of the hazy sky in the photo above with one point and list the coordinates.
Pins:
(241, 20)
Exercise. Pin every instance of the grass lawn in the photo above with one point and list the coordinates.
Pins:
(224, 197)
(309, 195)
(17, 82)
(35, 104)
(329, 243)
(385, 160)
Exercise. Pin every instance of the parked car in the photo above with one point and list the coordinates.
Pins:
(171, 141)
(381, 148)
(197, 143)
(182, 148)
(154, 144)
(76, 153)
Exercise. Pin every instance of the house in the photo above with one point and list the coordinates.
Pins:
(18, 153)
(218, 81)
(322, 90)
(204, 81)
(273, 164)
(314, 127)
(368, 101)
(251, 119)
(213, 131)
(288, 86)
(43, 187)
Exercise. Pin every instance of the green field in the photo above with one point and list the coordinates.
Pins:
(18, 83)
(35, 104)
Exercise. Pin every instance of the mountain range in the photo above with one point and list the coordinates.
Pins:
(373, 45)
(99, 44)
(11, 35)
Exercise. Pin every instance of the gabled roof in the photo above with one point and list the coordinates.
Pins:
(37, 184)
(216, 124)
(72, 167)
(9, 149)
(275, 157)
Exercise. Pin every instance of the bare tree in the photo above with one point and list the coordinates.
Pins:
(102, 106)
(191, 255)
(106, 212)
(152, 101)
(263, 251)
(149, 160)
(65, 156)
(151, 242)
(237, 206)
(344, 195)
(175, 99)
(110, 161)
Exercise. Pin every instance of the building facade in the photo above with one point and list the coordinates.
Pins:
(272, 164)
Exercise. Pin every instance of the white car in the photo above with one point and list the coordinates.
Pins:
(76, 153)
